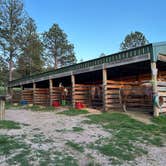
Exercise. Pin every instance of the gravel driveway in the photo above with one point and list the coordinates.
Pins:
(57, 129)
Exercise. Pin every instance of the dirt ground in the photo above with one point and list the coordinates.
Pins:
(59, 129)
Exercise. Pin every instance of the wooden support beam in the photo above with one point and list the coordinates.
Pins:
(73, 89)
(10, 92)
(2, 109)
(34, 87)
(50, 90)
(22, 88)
(154, 87)
(104, 72)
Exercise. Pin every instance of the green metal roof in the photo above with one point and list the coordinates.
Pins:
(152, 49)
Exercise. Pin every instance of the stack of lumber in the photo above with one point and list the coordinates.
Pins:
(27, 94)
(41, 96)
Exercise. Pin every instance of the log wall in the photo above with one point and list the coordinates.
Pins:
(41, 96)
(27, 94)
(134, 100)
(89, 95)
(81, 94)
(56, 94)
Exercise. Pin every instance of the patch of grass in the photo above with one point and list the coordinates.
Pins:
(161, 120)
(12, 106)
(9, 144)
(20, 153)
(21, 158)
(55, 158)
(73, 112)
(77, 129)
(40, 139)
(127, 133)
(7, 124)
(75, 146)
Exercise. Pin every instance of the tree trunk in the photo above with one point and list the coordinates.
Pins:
(10, 68)
(55, 63)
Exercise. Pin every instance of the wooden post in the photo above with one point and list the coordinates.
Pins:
(50, 90)
(34, 87)
(2, 108)
(22, 88)
(154, 87)
(10, 92)
(73, 90)
(104, 72)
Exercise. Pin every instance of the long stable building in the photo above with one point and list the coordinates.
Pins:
(96, 83)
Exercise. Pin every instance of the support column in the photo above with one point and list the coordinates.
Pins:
(22, 88)
(154, 87)
(10, 92)
(73, 89)
(50, 90)
(34, 87)
(104, 72)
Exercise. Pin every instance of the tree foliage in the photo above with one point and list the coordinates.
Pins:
(30, 60)
(11, 18)
(132, 40)
(3, 72)
(58, 49)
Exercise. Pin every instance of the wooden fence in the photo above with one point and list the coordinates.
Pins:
(134, 100)
(27, 94)
(89, 95)
(41, 96)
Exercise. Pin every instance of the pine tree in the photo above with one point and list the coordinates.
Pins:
(132, 40)
(11, 19)
(58, 49)
(30, 61)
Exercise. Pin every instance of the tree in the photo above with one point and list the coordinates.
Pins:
(11, 19)
(102, 55)
(30, 60)
(58, 50)
(3, 72)
(132, 40)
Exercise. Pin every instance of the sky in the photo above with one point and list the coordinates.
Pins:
(99, 26)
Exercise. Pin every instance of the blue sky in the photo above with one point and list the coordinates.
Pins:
(99, 26)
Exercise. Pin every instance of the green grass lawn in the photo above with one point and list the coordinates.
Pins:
(127, 134)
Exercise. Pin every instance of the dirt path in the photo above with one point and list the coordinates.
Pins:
(48, 130)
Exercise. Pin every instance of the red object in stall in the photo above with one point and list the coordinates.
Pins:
(79, 105)
(55, 104)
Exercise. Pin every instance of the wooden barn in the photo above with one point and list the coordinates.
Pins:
(134, 78)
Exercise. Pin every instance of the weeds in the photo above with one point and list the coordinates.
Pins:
(75, 146)
(73, 112)
(127, 133)
(6, 124)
